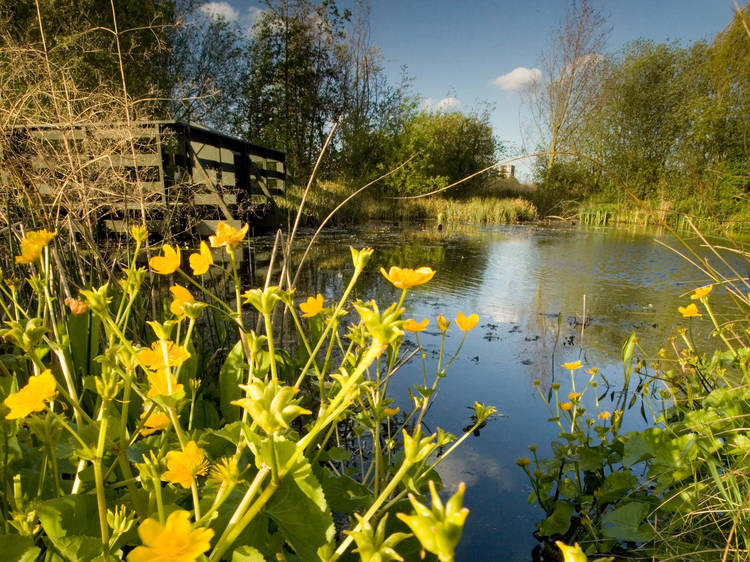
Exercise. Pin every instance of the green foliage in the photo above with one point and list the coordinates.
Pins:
(446, 146)
(669, 121)
(133, 459)
(675, 489)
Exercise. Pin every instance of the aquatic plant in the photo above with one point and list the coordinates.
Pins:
(113, 447)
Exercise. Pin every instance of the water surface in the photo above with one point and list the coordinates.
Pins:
(520, 280)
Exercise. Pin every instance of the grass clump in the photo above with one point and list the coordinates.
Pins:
(500, 207)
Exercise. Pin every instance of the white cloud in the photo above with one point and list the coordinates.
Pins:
(219, 10)
(448, 104)
(518, 78)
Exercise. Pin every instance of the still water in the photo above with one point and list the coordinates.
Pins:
(519, 280)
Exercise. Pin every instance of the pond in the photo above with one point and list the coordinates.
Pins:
(529, 285)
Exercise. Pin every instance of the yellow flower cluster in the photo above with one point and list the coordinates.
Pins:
(226, 237)
(33, 244)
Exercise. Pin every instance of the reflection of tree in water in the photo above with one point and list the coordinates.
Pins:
(458, 260)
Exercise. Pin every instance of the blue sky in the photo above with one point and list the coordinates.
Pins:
(457, 49)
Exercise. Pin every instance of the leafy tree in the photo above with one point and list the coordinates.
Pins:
(447, 147)
(561, 100)
(293, 90)
(208, 65)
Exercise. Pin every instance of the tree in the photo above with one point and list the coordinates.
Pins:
(208, 65)
(292, 93)
(448, 146)
(559, 102)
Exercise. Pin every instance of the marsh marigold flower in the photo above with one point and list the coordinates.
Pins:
(33, 244)
(412, 325)
(181, 297)
(443, 323)
(571, 553)
(183, 466)
(31, 397)
(312, 306)
(566, 406)
(572, 366)
(163, 383)
(689, 311)
(174, 541)
(168, 263)
(153, 357)
(227, 236)
(157, 421)
(405, 278)
(701, 292)
(202, 260)
(573, 396)
(138, 232)
(465, 323)
(604, 415)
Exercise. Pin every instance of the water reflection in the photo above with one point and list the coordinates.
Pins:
(527, 284)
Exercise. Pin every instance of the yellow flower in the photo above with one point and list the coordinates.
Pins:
(138, 232)
(412, 325)
(168, 263)
(443, 323)
(566, 406)
(157, 421)
(175, 541)
(181, 296)
(31, 397)
(689, 311)
(572, 366)
(604, 415)
(407, 278)
(571, 553)
(391, 411)
(701, 292)
(592, 371)
(574, 396)
(33, 244)
(312, 306)
(183, 466)
(153, 357)
(201, 260)
(161, 384)
(227, 236)
(465, 323)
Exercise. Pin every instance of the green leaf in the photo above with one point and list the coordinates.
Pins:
(591, 457)
(344, 494)
(70, 516)
(625, 523)
(16, 548)
(629, 347)
(230, 376)
(558, 522)
(299, 506)
(636, 449)
(615, 486)
(568, 488)
(83, 331)
(79, 549)
(247, 554)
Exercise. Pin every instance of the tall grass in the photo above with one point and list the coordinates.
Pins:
(482, 209)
